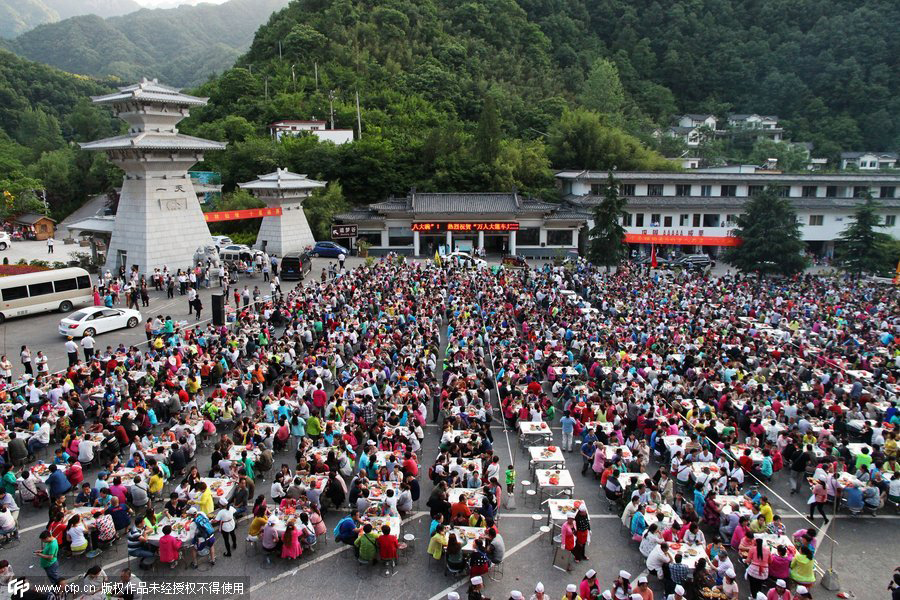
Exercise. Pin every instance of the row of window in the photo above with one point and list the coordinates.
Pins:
(20, 292)
(730, 191)
(711, 220)
(526, 236)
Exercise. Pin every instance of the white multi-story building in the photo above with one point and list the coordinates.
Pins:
(291, 127)
(699, 209)
(868, 161)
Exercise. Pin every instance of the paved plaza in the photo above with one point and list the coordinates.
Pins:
(863, 549)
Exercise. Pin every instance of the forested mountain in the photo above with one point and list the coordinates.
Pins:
(181, 46)
(463, 95)
(42, 110)
(18, 16)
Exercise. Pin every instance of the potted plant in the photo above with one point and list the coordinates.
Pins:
(363, 247)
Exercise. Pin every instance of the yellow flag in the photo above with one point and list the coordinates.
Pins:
(437, 258)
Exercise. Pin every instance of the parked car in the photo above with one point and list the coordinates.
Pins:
(661, 261)
(221, 240)
(295, 265)
(98, 319)
(695, 261)
(514, 261)
(329, 250)
(235, 248)
(466, 260)
(5, 240)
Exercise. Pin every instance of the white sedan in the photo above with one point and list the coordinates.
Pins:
(466, 260)
(98, 319)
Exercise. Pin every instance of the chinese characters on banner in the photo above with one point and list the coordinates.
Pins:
(463, 227)
(237, 215)
(344, 231)
(689, 239)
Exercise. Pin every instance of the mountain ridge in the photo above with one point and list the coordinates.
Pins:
(182, 46)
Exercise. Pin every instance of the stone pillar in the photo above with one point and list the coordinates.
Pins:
(385, 240)
(480, 240)
(575, 237)
(289, 232)
(449, 242)
(416, 243)
(512, 242)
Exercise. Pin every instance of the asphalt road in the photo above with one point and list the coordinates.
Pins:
(865, 555)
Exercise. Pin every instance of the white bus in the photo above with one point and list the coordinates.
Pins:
(56, 289)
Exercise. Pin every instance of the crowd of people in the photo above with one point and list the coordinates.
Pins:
(682, 395)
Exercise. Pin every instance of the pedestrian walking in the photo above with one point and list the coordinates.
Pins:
(341, 259)
(198, 306)
(50, 242)
(49, 555)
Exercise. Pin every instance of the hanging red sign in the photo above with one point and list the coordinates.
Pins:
(694, 240)
(237, 215)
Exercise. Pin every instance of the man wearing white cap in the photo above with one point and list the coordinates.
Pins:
(516, 595)
(780, 591)
(452, 596)
(803, 592)
(539, 592)
(571, 592)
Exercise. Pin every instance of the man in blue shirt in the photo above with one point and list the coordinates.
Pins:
(57, 484)
(587, 453)
(345, 530)
(568, 430)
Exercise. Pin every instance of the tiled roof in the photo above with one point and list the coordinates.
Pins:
(282, 179)
(150, 91)
(466, 203)
(146, 140)
(699, 177)
(725, 203)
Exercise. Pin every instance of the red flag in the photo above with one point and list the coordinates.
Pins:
(653, 262)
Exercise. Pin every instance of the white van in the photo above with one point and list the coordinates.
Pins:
(56, 289)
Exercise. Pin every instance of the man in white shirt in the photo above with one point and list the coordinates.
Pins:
(658, 557)
(87, 343)
(72, 351)
(86, 452)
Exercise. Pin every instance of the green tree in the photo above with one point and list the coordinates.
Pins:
(861, 248)
(602, 90)
(321, 207)
(792, 158)
(607, 243)
(770, 235)
(581, 140)
(39, 131)
(487, 137)
(19, 196)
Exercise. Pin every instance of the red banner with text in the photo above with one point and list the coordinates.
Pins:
(689, 240)
(237, 215)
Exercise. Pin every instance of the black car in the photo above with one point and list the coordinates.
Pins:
(661, 261)
(295, 265)
(695, 261)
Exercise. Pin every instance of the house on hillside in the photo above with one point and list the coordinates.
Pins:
(868, 161)
(291, 127)
(688, 128)
(765, 126)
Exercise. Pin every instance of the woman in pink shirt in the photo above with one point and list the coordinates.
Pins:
(780, 562)
(169, 546)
